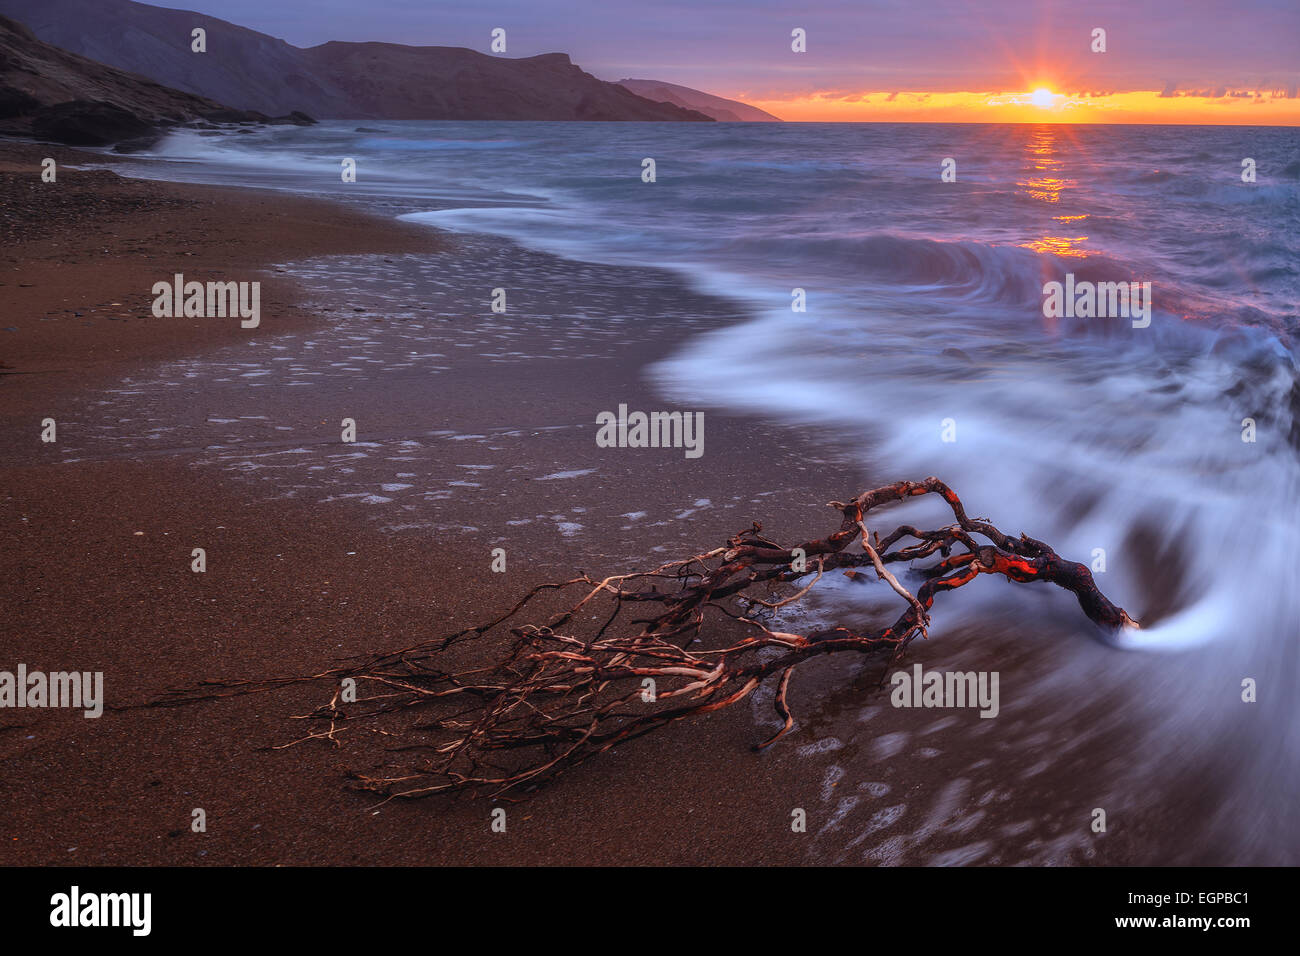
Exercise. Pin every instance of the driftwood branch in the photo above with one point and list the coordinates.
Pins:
(620, 659)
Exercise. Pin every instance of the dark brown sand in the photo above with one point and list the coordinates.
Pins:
(81, 255)
(95, 575)
(82, 590)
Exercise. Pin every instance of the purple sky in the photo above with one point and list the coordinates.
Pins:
(933, 45)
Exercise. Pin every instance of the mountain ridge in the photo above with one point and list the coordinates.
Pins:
(338, 79)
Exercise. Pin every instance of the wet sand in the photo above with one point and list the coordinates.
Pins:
(282, 594)
(81, 256)
(175, 433)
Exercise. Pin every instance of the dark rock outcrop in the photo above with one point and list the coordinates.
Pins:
(294, 118)
(17, 103)
(86, 123)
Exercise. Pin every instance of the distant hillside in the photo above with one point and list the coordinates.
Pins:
(53, 94)
(389, 81)
(252, 71)
(722, 110)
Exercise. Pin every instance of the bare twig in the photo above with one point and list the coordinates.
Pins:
(564, 690)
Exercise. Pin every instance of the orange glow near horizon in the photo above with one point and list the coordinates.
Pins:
(1038, 104)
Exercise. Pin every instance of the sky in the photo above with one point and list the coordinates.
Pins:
(1190, 61)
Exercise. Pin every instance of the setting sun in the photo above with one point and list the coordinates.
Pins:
(1041, 97)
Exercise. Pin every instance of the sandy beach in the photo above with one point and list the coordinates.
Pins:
(97, 569)
(174, 434)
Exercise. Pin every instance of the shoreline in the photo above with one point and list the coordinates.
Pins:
(117, 230)
(291, 587)
(98, 577)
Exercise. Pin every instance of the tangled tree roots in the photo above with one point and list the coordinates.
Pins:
(597, 674)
